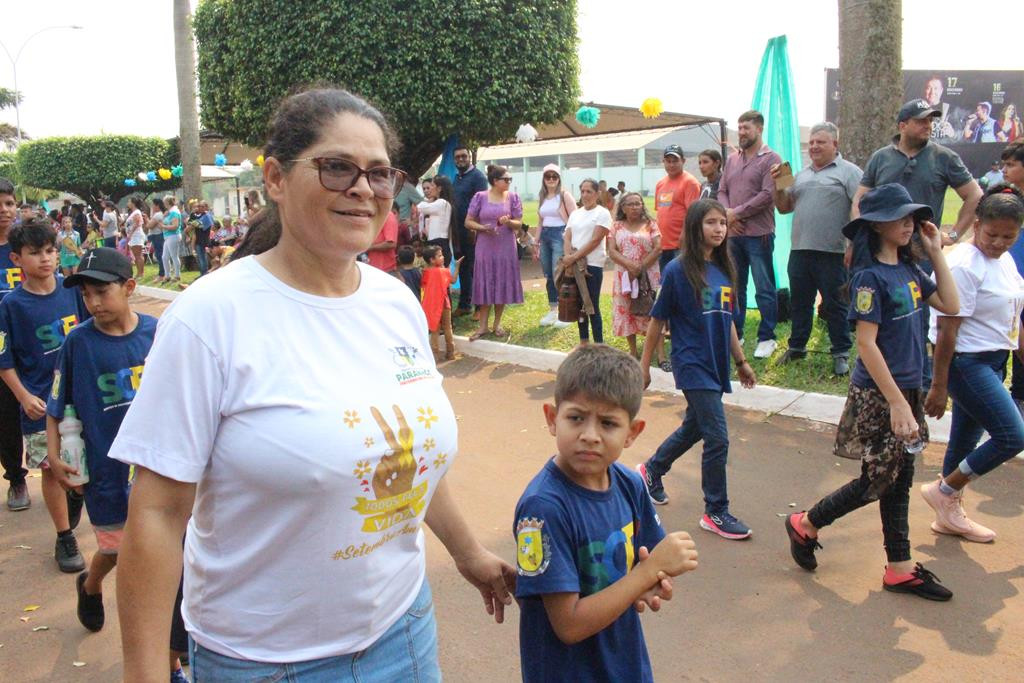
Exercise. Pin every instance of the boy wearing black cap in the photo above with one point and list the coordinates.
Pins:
(98, 371)
(34, 319)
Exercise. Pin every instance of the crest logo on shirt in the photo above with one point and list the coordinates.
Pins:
(532, 549)
(865, 300)
(404, 356)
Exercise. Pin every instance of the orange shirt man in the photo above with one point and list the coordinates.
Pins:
(673, 195)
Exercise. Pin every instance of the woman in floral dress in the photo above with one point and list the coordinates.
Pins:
(634, 245)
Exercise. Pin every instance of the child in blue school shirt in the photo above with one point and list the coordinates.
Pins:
(583, 530)
(34, 319)
(697, 298)
(883, 421)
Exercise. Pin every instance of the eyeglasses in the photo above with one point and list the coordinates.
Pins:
(633, 204)
(909, 168)
(340, 175)
(550, 176)
(507, 179)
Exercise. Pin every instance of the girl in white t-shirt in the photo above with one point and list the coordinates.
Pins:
(135, 227)
(554, 204)
(971, 351)
(584, 238)
(311, 439)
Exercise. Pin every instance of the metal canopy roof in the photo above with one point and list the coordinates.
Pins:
(582, 144)
(616, 119)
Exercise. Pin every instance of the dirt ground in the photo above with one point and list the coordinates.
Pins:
(747, 613)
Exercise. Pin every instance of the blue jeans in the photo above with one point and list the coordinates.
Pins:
(753, 256)
(595, 276)
(551, 249)
(981, 402)
(406, 652)
(811, 272)
(158, 251)
(666, 257)
(705, 419)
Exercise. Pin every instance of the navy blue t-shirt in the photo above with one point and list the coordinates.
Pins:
(10, 274)
(701, 328)
(573, 540)
(893, 297)
(32, 329)
(99, 374)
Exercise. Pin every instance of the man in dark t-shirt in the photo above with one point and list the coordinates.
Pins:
(468, 181)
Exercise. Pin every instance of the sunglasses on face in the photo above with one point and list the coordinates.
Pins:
(550, 176)
(506, 179)
(340, 175)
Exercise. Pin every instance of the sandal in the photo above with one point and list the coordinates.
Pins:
(500, 332)
(478, 334)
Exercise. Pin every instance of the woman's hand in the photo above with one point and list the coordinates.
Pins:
(935, 402)
(503, 220)
(492, 576)
(634, 269)
(902, 420)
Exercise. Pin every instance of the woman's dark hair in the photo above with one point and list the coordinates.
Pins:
(54, 215)
(692, 256)
(446, 191)
(138, 203)
(620, 210)
(296, 125)
(495, 172)
(1001, 201)
(159, 203)
(867, 243)
(712, 154)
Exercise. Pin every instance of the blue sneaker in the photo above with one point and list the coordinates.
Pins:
(655, 489)
(725, 525)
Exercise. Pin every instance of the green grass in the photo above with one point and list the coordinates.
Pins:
(530, 210)
(811, 374)
(151, 273)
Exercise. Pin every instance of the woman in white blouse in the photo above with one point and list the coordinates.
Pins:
(436, 214)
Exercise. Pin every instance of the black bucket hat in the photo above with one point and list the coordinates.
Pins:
(889, 202)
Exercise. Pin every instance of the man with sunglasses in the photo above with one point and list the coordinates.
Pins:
(926, 169)
(468, 181)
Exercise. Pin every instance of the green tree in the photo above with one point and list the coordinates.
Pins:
(479, 68)
(9, 170)
(95, 166)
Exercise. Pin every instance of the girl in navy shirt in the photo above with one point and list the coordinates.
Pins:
(698, 293)
(883, 421)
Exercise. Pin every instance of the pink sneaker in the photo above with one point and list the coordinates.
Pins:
(950, 517)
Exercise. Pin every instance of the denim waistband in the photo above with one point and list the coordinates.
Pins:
(998, 355)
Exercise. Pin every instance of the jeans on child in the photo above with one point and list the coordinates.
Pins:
(406, 652)
(551, 249)
(704, 419)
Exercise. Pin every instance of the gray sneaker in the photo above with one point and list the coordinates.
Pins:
(65, 551)
(18, 498)
(840, 366)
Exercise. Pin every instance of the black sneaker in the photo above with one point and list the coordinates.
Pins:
(792, 355)
(655, 489)
(75, 501)
(65, 551)
(802, 547)
(924, 584)
(90, 607)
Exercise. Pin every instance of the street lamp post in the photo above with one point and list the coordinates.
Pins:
(14, 67)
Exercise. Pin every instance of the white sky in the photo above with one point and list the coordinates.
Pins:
(117, 74)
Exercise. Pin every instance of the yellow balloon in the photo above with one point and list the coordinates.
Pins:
(259, 160)
(651, 108)
(164, 173)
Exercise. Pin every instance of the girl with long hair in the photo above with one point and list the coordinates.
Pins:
(135, 227)
(697, 298)
(554, 204)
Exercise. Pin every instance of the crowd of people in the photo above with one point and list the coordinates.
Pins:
(330, 270)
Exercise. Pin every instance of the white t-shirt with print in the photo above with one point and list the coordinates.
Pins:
(582, 223)
(991, 299)
(317, 431)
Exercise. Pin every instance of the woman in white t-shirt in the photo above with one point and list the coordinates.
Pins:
(554, 204)
(155, 228)
(312, 432)
(436, 213)
(584, 238)
(971, 352)
(135, 226)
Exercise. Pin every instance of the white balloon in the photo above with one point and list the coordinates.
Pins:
(143, 176)
(526, 133)
(246, 165)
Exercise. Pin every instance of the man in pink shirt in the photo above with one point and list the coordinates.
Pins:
(747, 192)
(383, 252)
(672, 196)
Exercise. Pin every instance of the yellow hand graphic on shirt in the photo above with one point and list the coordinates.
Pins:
(395, 471)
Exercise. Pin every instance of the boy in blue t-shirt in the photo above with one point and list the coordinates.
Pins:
(12, 448)
(98, 372)
(583, 529)
(34, 319)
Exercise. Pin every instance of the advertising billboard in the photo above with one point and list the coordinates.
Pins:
(980, 109)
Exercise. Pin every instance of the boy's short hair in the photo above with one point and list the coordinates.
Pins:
(406, 255)
(36, 233)
(430, 251)
(6, 187)
(602, 373)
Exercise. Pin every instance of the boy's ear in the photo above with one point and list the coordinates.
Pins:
(129, 286)
(16, 258)
(550, 413)
(635, 428)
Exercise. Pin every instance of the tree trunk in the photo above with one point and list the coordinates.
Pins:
(188, 113)
(870, 75)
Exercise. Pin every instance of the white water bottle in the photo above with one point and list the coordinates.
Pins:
(72, 447)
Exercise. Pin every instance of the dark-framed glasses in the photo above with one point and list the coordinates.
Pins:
(339, 175)
(507, 179)
(550, 176)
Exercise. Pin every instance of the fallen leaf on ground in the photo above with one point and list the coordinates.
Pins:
(77, 663)
(41, 628)
(30, 608)
(25, 619)
(23, 547)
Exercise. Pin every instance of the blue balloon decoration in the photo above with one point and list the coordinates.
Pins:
(588, 116)
(151, 176)
(220, 160)
(129, 182)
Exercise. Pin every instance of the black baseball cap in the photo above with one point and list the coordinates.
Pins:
(103, 264)
(674, 150)
(916, 109)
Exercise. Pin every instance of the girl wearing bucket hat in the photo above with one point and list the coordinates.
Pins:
(883, 421)
(554, 204)
(971, 351)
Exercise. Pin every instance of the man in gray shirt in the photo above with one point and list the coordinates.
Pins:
(820, 200)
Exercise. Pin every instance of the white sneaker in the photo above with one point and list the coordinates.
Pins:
(559, 324)
(550, 319)
(765, 348)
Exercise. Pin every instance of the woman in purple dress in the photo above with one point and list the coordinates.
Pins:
(495, 215)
